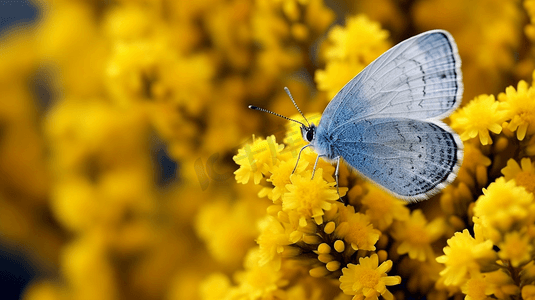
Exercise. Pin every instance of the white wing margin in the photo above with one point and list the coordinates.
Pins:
(419, 78)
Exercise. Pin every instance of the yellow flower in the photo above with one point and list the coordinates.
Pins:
(464, 256)
(503, 285)
(476, 288)
(318, 15)
(74, 205)
(529, 5)
(309, 197)
(474, 158)
(361, 39)
(98, 157)
(256, 159)
(256, 281)
(55, 45)
(503, 206)
(480, 116)
(524, 176)
(528, 272)
(290, 220)
(368, 280)
(230, 32)
(336, 75)
(355, 229)
(352, 48)
(87, 268)
(472, 175)
(46, 289)
(528, 292)
(280, 177)
(416, 235)
(269, 30)
(382, 208)
(214, 287)
(516, 248)
(519, 106)
(150, 69)
(272, 239)
(421, 276)
(227, 229)
(306, 290)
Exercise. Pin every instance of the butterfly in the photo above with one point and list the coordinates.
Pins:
(385, 123)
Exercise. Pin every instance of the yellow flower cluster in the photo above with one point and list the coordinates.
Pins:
(307, 225)
(514, 110)
(97, 96)
(122, 124)
(497, 261)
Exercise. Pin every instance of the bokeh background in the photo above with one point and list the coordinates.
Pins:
(119, 121)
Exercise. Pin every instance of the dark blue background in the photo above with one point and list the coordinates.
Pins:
(15, 271)
(15, 12)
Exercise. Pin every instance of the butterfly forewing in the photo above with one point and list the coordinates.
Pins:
(420, 78)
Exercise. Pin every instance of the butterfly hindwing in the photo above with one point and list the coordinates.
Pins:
(412, 158)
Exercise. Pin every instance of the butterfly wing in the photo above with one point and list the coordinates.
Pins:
(420, 78)
(413, 159)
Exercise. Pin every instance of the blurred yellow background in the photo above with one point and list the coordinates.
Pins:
(119, 120)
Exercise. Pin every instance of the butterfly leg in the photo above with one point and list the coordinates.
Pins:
(336, 173)
(299, 156)
(315, 165)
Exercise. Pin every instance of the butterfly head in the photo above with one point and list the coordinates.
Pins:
(308, 132)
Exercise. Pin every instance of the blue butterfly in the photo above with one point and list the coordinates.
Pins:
(386, 122)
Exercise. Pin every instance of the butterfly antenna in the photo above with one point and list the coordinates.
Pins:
(295, 104)
(276, 114)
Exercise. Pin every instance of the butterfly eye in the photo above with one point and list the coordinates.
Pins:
(310, 135)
